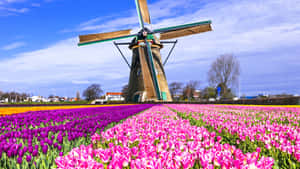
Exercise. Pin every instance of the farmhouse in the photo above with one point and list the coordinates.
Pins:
(114, 96)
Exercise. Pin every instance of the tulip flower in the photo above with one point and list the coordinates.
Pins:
(28, 158)
(19, 160)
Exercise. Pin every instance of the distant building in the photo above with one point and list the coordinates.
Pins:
(114, 96)
(39, 99)
(36, 98)
(197, 94)
(109, 96)
(4, 100)
(54, 99)
(72, 99)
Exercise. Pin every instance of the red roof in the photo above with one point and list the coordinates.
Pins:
(114, 93)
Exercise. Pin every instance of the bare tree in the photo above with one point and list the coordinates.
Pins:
(1, 94)
(224, 72)
(6, 96)
(175, 88)
(24, 96)
(209, 92)
(92, 92)
(189, 89)
(77, 95)
(125, 91)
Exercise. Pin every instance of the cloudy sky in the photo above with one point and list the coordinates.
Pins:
(39, 55)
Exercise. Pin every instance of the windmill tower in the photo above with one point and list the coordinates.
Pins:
(147, 80)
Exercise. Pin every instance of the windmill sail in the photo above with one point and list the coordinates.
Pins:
(184, 30)
(144, 11)
(101, 37)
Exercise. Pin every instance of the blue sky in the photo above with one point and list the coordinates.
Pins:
(39, 55)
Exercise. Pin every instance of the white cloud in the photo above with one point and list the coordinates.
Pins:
(35, 4)
(13, 46)
(63, 62)
(10, 1)
(129, 19)
(14, 10)
(6, 9)
(80, 82)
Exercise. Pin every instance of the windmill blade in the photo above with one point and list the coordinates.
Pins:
(144, 11)
(184, 30)
(103, 37)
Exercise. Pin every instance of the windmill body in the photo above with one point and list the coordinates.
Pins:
(141, 85)
(147, 80)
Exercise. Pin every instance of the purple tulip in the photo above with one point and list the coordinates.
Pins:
(50, 142)
(25, 149)
(61, 154)
(30, 149)
(60, 139)
(19, 160)
(21, 152)
(45, 149)
(34, 153)
(59, 147)
(9, 153)
(14, 152)
(28, 158)
(29, 142)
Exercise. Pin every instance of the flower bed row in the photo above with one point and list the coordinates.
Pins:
(4, 111)
(156, 139)
(274, 130)
(35, 139)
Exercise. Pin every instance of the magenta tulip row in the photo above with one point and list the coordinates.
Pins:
(262, 124)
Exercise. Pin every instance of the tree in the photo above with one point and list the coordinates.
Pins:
(1, 95)
(175, 88)
(6, 96)
(189, 89)
(92, 92)
(24, 96)
(51, 96)
(77, 96)
(209, 92)
(125, 91)
(224, 72)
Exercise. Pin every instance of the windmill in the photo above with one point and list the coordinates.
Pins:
(147, 80)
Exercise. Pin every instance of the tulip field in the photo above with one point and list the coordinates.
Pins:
(170, 136)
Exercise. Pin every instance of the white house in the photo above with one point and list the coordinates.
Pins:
(114, 96)
(38, 99)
